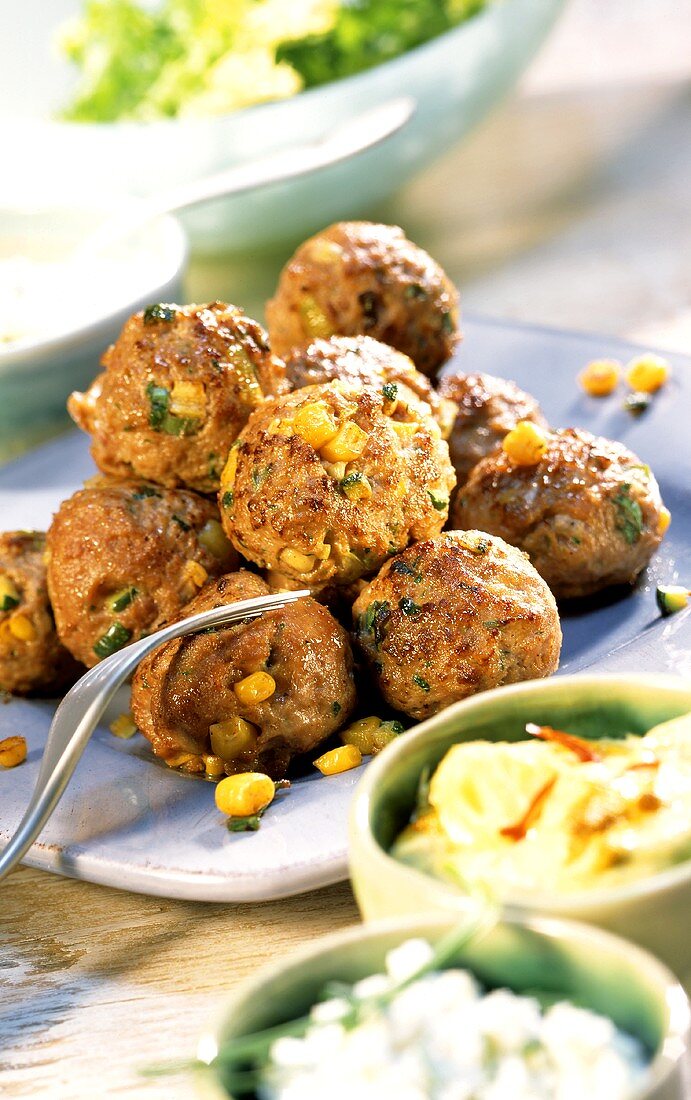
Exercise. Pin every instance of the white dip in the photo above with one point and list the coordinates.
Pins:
(443, 1038)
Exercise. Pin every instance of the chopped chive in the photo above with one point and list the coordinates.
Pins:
(336, 707)
(390, 391)
(115, 637)
(408, 606)
(159, 400)
(629, 515)
(227, 499)
(144, 492)
(159, 312)
(7, 602)
(122, 599)
(440, 503)
(421, 683)
(181, 522)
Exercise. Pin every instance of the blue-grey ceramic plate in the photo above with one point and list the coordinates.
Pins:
(128, 821)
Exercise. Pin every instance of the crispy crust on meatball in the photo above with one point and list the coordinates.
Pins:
(126, 556)
(588, 513)
(32, 661)
(362, 361)
(362, 278)
(487, 408)
(458, 614)
(179, 384)
(318, 521)
(302, 647)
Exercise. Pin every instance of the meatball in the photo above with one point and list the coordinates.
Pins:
(179, 384)
(362, 361)
(325, 483)
(361, 278)
(452, 616)
(588, 513)
(124, 557)
(31, 657)
(487, 408)
(187, 697)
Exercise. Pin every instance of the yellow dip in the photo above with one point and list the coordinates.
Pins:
(539, 815)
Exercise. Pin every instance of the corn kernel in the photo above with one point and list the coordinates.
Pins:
(664, 520)
(244, 794)
(356, 486)
(22, 628)
(525, 444)
(339, 760)
(255, 688)
(323, 552)
(123, 726)
(232, 738)
(315, 424)
(314, 321)
(213, 538)
(646, 373)
(600, 377)
(213, 765)
(349, 443)
(12, 751)
(195, 573)
(323, 251)
(180, 759)
(230, 470)
(297, 561)
(9, 595)
(361, 734)
(405, 430)
(188, 400)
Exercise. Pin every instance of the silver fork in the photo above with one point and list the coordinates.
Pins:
(79, 712)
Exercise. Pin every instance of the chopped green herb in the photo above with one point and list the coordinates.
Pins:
(440, 503)
(227, 499)
(7, 602)
(390, 391)
(349, 482)
(259, 476)
(637, 403)
(122, 599)
(159, 400)
(447, 324)
(115, 637)
(370, 308)
(244, 824)
(408, 606)
(402, 567)
(493, 624)
(158, 312)
(415, 291)
(642, 466)
(420, 682)
(375, 619)
(480, 547)
(144, 492)
(181, 522)
(336, 707)
(629, 515)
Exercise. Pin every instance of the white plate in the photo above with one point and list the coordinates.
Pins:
(128, 821)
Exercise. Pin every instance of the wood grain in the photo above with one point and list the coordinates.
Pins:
(96, 983)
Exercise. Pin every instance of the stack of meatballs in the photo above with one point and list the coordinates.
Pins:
(321, 456)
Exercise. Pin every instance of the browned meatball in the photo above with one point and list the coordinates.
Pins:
(31, 657)
(326, 482)
(488, 408)
(588, 513)
(179, 384)
(361, 278)
(126, 556)
(455, 615)
(362, 361)
(184, 696)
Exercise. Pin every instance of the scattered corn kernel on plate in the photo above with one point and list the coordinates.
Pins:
(129, 821)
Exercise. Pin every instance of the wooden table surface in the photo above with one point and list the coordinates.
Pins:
(571, 207)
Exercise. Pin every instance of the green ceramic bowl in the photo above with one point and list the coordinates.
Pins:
(597, 970)
(653, 911)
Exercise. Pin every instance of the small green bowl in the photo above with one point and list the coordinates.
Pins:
(652, 911)
(598, 971)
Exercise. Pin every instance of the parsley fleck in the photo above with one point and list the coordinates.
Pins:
(421, 683)
(390, 391)
(408, 606)
(440, 503)
(629, 515)
(336, 707)
(227, 499)
(414, 290)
